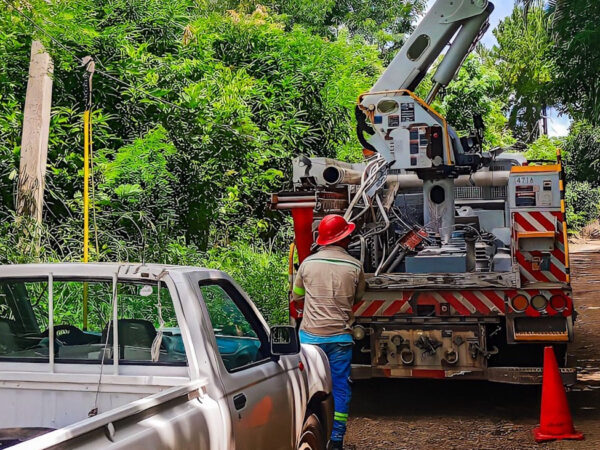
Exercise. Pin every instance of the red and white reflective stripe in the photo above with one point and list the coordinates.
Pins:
(470, 302)
(535, 221)
(381, 308)
(464, 303)
(540, 221)
(494, 302)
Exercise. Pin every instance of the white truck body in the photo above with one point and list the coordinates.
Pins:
(197, 402)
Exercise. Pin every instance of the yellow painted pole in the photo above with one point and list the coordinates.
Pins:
(86, 207)
(86, 183)
(88, 63)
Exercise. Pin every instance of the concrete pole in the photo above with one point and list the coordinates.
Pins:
(36, 128)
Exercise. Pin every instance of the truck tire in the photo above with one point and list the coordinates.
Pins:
(313, 435)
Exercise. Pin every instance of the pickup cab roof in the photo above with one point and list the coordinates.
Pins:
(103, 270)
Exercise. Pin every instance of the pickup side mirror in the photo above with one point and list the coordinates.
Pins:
(284, 340)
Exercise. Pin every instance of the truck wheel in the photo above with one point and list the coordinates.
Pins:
(313, 435)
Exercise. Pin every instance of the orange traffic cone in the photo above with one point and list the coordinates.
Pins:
(555, 418)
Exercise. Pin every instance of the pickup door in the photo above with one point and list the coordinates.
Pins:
(257, 387)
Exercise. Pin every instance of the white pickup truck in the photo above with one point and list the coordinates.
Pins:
(151, 356)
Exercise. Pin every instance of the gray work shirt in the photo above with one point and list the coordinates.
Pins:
(330, 282)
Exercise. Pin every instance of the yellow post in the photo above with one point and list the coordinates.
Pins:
(86, 207)
(86, 182)
(88, 63)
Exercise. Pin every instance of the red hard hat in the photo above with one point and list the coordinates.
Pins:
(334, 228)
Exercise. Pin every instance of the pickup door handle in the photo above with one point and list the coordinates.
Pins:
(239, 401)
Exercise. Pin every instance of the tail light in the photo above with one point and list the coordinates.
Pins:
(519, 303)
(539, 302)
(558, 302)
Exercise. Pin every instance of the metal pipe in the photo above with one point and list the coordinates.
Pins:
(397, 261)
(295, 205)
(363, 249)
(335, 175)
(433, 93)
(384, 264)
(481, 179)
(292, 198)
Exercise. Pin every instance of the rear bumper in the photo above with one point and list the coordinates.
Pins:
(510, 375)
(528, 375)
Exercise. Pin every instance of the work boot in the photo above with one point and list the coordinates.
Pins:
(335, 445)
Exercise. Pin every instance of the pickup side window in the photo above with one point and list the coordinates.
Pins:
(147, 327)
(23, 317)
(241, 339)
(146, 321)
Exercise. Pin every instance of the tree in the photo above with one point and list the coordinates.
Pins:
(523, 61)
(576, 55)
(381, 22)
(473, 92)
(223, 100)
(384, 23)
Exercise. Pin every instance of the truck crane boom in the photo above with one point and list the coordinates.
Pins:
(467, 20)
(404, 129)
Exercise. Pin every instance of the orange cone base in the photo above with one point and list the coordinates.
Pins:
(540, 436)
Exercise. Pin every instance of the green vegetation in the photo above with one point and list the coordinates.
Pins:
(199, 107)
(525, 68)
(214, 103)
(583, 203)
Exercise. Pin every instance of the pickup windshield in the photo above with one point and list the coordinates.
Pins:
(147, 331)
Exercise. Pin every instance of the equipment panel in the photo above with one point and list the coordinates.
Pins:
(407, 133)
(534, 190)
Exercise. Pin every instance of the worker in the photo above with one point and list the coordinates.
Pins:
(330, 281)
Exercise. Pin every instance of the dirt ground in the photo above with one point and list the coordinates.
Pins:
(433, 414)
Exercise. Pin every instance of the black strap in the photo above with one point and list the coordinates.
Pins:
(362, 127)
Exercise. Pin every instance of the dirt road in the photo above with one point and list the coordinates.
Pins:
(398, 414)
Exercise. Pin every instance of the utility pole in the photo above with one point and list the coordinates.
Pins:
(36, 129)
(545, 120)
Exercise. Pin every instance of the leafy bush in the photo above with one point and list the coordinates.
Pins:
(582, 148)
(543, 148)
(262, 274)
(583, 204)
(212, 108)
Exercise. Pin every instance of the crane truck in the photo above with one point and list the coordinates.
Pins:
(465, 250)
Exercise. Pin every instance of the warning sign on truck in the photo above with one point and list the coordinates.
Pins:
(407, 112)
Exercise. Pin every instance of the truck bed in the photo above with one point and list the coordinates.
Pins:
(143, 418)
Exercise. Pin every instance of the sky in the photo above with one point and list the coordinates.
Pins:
(557, 125)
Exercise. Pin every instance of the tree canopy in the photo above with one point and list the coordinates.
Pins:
(522, 58)
(202, 121)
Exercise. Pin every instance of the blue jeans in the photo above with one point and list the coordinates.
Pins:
(340, 359)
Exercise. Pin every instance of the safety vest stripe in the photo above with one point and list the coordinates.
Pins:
(299, 291)
(333, 261)
(340, 417)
